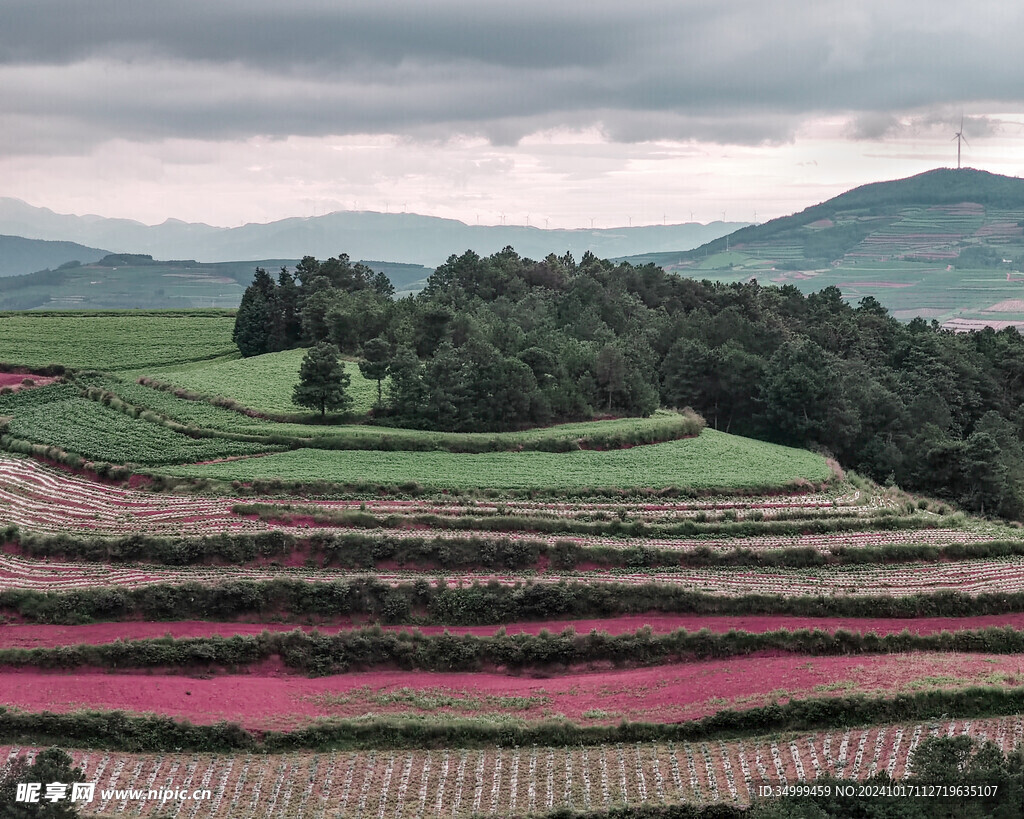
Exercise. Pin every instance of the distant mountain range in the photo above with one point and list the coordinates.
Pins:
(396, 237)
(945, 245)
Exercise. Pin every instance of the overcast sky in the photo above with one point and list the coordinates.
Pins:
(543, 110)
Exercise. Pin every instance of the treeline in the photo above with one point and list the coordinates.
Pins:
(500, 342)
(316, 654)
(423, 602)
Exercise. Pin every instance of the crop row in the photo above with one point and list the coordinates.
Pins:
(969, 576)
(145, 339)
(458, 782)
(58, 416)
(28, 492)
(712, 460)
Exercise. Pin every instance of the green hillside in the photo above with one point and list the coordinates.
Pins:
(946, 244)
(136, 281)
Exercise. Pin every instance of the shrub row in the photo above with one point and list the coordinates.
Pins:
(359, 649)
(423, 603)
(413, 489)
(120, 731)
(48, 371)
(53, 454)
(797, 523)
(356, 550)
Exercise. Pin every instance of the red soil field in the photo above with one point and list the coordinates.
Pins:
(14, 380)
(25, 635)
(668, 693)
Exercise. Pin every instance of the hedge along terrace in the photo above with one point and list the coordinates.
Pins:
(58, 416)
(361, 649)
(198, 418)
(713, 459)
(423, 602)
(795, 522)
(361, 551)
(121, 731)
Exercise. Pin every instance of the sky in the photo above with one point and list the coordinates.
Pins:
(555, 114)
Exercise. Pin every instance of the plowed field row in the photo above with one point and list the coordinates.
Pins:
(460, 782)
(969, 577)
(28, 490)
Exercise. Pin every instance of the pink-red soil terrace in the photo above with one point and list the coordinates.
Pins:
(669, 693)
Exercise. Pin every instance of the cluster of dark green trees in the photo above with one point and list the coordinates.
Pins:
(499, 342)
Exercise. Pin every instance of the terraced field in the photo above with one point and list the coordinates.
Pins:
(723, 614)
(341, 630)
(510, 781)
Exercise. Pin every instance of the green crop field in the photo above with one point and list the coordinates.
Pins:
(712, 459)
(58, 416)
(114, 340)
(263, 382)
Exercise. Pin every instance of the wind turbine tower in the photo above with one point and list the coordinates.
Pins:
(960, 137)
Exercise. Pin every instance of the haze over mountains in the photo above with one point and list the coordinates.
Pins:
(394, 237)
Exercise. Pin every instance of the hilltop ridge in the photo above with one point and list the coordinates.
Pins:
(945, 244)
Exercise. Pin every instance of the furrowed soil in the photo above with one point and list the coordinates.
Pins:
(670, 693)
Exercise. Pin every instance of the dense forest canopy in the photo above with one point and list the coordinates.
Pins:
(503, 342)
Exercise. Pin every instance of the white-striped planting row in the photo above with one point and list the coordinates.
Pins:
(969, 577)
(817, 505)
(48, 500)
(513, 781)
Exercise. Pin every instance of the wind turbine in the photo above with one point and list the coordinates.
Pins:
(960, 136)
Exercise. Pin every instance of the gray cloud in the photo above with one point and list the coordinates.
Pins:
(73, 74)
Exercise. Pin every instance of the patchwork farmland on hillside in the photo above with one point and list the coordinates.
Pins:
(202, 590)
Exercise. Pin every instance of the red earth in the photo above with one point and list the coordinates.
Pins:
(25, 635)
(13, 380)
(669, 693)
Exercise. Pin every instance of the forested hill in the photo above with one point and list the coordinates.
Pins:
(503, 342)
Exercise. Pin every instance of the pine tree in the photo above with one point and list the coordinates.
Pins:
(323, 382)
(375, 362)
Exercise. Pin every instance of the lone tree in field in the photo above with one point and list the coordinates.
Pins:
(375, 362)
(323, 382)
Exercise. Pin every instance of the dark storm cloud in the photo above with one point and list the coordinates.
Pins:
(74, 73)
